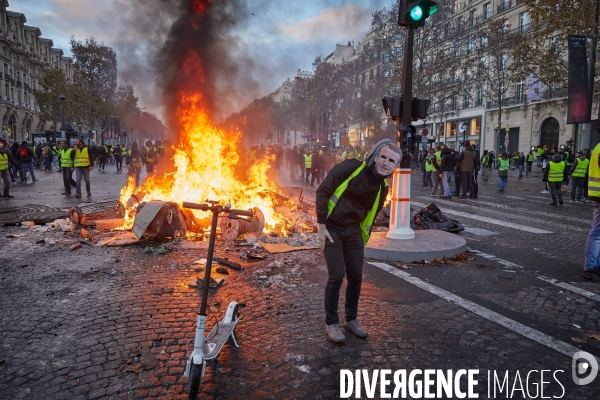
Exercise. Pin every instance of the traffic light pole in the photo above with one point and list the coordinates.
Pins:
(399, 227)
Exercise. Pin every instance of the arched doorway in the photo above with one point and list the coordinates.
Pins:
(549, 133)
(12, 126)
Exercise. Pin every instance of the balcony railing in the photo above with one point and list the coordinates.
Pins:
(504, 6)
(507, 102)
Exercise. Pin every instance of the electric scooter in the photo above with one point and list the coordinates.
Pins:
(209, 347)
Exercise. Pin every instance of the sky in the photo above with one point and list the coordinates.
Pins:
(279, 36)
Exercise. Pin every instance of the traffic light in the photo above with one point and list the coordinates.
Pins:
(393, 108)
(415, 12)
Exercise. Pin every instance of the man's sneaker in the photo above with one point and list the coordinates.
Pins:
(553, 204)
(432, 195)
(560, 202)
(334, 333)
(78, 195)
(356, 329)
(593, 274)
(89, 193)
(65, 193)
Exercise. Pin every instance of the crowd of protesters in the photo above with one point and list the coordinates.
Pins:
(456, 173)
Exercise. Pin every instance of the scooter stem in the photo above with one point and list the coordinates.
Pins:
(209, 257)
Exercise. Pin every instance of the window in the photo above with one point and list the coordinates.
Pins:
(470, 44)
(555, 44)
(457, 48)
(466, 99)
(479, 96)
(386, 58)
(480, 65)
(484, 41)
(487, 10)
(519, 92)
(501, 90)
(472, 18)
(502, 62)
(524, 22)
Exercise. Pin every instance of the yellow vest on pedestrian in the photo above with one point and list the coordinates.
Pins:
(504, 164)
(581, 168)
(365, 225)
(556, 171)
(82, 158)
(594, 175)
(65, 158)
(307, 161)
(3, 161)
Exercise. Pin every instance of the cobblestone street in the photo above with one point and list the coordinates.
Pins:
(116, 323)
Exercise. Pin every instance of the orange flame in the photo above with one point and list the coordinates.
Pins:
(205, 168)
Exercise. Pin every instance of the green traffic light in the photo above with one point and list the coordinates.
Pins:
(416, 13)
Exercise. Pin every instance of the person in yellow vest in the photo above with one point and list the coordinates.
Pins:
(150, 157)
(66, 164)
(307, 162)
(555, 174)
(134, 163)
(347, 202)
(579, 170)
(118, 152)
(435, 174)
(6, 158)
(82, 164)
(591, 266)
(502, 165)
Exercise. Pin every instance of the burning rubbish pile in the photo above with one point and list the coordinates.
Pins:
(207, 164)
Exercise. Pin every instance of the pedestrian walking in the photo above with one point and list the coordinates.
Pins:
(502, 165)
(521, 163)
(436, 160)
(347, 202)
(555, 176)
(485, 163)
(530, 158)
(427, 182)
(66, 164)
(468, 161)
(578, 172)
(26, 160)
(118, 155)
(82, 163)
(447, 167)
(591, 267)
(134, 163)
(6, 159)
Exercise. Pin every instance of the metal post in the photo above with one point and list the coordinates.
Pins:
(399, 227)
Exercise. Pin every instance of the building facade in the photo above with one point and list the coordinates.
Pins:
(26, 58)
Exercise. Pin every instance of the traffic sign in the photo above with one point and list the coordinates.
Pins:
(425, 132)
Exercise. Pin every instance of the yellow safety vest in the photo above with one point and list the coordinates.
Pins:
(530, 157)
(438, 160)
(429, 165)
(581, 168)
(556, 172)
(65, 158)
(594, 175)
(82, 158)
(149, 158)
(504, 164)
(307, 161)
(3, 161)
(365, 225)
(539, 151)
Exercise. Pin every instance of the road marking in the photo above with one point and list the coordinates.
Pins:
(480, 218)
(571, 288)
(530, 333)
(478, 231)
(494, 258)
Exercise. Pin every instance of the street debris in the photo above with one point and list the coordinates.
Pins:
(140, 359)
(109, 224)
(76, 246)
(594, 336)
(431, 217)
(557, 308)
(222, 270)
(162, 249)
(199, 282)
(228, 263)
(84, 233)
(161, 291)
(27, 224)
(403, 266)
(484, 266)
(579, 340)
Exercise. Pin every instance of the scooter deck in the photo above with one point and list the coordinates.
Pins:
(218, 336)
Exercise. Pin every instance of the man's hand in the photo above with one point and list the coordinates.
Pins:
(91, 168)
(323, 236)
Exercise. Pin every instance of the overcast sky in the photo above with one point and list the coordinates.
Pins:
(281, 36)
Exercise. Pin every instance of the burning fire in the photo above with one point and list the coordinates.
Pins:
(205, 161)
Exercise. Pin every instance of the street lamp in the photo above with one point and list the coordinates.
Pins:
(62, 117)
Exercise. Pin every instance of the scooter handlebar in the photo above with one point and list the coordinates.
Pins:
(209, 207)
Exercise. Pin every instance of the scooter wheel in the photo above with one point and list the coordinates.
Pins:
(194, 380)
